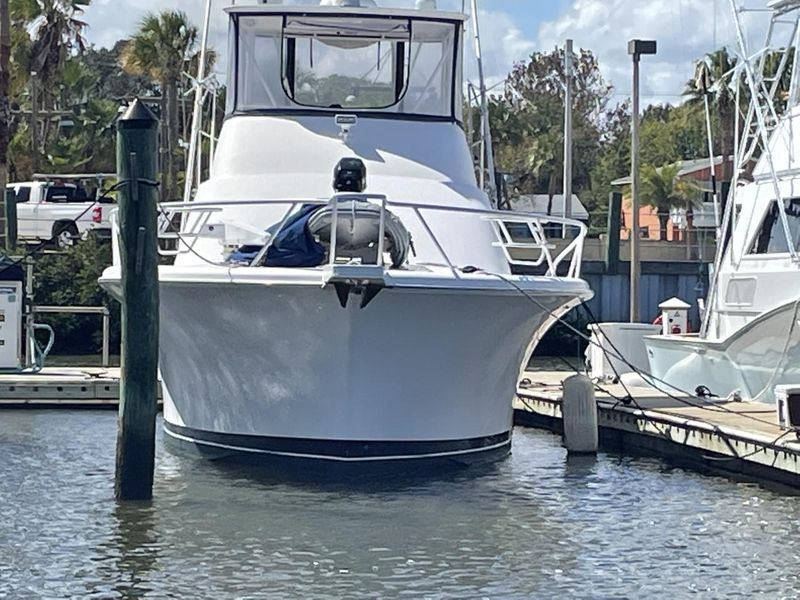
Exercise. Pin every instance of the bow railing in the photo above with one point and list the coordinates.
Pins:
(522, 237)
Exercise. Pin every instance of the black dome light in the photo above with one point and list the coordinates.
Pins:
(350, 175)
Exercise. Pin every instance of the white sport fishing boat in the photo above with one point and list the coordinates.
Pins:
(341, 288)
(750, 342)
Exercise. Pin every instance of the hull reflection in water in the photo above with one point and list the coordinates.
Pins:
(533, 526)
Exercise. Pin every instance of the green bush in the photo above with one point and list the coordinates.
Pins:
(70, 278)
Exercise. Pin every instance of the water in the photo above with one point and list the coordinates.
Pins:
(533, 526)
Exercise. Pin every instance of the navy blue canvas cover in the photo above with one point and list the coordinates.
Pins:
(294, 246)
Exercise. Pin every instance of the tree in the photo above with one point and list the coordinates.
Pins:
(45, 34)
(528, 122)
(721, 92)
(57, 34)
(664, 190)
(613, 161)
(21, 13)
(672, 133)
(70, 278)
(160, 49)
(114, 83)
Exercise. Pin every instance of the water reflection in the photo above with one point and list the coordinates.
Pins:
(134, 545)
(383, 478)
(536, 525)
(580, 466)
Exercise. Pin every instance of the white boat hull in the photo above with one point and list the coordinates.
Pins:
(285, 370)
(752, 361)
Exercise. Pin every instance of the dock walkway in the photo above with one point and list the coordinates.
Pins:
(739, 438)
(61, 387)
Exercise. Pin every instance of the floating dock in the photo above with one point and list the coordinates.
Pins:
(742, 439)
(92, 387)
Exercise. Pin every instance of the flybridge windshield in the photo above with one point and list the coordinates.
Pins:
(396, 65)
(350, 64)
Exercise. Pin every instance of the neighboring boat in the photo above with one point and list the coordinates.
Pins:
(750, 341)
(341, 288)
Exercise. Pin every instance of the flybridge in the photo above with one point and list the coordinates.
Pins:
(342, 57)
(419, 5)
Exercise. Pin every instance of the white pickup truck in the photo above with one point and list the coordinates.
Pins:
(61, 212)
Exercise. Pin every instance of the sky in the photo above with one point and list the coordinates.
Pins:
(512, 29)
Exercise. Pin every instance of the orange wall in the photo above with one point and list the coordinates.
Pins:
(648, 217)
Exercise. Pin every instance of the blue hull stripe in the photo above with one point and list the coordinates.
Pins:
(337, 449)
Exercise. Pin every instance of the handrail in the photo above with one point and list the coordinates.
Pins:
(571, 255)
(84, 310)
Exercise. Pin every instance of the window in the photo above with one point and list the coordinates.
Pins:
(358, 64)
(23, 194)
(364, 63)
(66, 193)
(771, 238)
(258, 60)
(435, 71)
(59, 193)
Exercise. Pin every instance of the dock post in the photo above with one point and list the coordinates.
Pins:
(579, 411)
(106, 337)
(612, 234)
(137, 168)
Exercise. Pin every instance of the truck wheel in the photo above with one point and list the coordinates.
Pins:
(64, 234)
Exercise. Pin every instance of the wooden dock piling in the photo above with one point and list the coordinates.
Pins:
(137, 168)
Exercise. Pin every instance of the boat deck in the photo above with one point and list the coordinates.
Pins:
(737, 438)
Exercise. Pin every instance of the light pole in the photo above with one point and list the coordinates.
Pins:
(636, 48)
(567, 136)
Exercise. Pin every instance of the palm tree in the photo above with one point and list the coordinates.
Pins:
(721, 93)
(664, 190)
(57, 34)
(44, 35)
(21, 13)
(160, 49)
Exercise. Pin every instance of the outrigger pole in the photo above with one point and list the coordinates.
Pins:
(703, 84)
(197, 112)
(487, 159)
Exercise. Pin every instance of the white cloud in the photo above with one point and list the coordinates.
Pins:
(685, 31)
(503, 42)
(112, 20)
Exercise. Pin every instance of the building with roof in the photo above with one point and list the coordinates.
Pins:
(545, 205)
(701, 217)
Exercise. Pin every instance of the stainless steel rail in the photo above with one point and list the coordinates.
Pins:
(84, 310)
(196, 225)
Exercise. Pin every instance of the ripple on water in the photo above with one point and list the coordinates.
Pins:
(535, 525)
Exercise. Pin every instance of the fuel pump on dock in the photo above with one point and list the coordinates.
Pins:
(12, 301)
